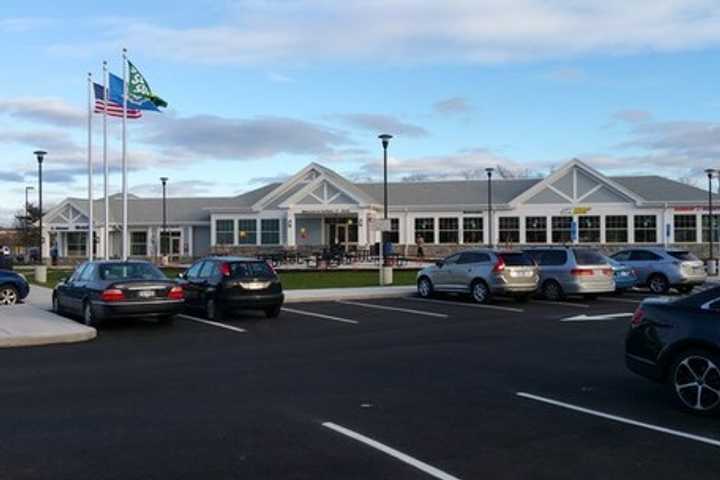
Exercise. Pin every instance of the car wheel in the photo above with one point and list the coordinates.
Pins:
(273, 312)
(480, 292)
(89, 317)
(213, 311)
(685, 289)
(552, 290)
(425, 288)
(56, 308)
(658, 284)
(694, 381)
(8, 295)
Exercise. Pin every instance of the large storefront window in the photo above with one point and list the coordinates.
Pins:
(247, 231)
(706, 227)
(509, 229)
(138, 244)
(425, 228)
(685, 228)
(224, 232)
(645, 229)
(589, 229)
(616, 229)
(536, 229)
(270, 231)
(76, 244)
(393, 236)
(562, 229)
(472, 230)
(449, 230)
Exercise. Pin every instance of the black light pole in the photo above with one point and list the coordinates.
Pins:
(489, 172)
(27, 214)
(40, 154)
(385, 142)
(164, 212)
(711, 223)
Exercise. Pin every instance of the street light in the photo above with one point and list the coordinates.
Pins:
(27, 214)
(164, 211)
(711, 223)
(40, 155)
(385, 138)
(489, 172)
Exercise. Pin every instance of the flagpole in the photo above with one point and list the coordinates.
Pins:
(91, 218)
(124, 161)
(106, 232)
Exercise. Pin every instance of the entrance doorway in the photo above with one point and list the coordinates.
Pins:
(342, 233)
(171, 244)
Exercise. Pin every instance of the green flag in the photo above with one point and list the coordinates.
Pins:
(139, 89)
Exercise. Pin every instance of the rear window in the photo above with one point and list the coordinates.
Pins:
(250, 269)
(589, 257)
(517, 259)
(683, 256)
(130, 271)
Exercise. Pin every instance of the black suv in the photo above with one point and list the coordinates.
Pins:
(220, 286)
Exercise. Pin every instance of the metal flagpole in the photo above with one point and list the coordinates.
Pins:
(90, 241)
(124, 160)
(106, 232)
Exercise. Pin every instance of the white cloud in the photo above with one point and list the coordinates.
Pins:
(379, 123)
(52, 111)
(452, 106)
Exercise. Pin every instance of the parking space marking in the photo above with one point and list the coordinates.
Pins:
(214, 324)
(394, 309)
(596, 318)
(472, 305)
(319, 315)
(622, 300)
(616, 418)
(562, 304)
(414, 462)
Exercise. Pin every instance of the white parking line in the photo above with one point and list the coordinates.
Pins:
(318, 315)
(472, 305)
(429, 469)
(214, 324)
(669, 431)
(394, 309)
(622, 300)
(562, 304)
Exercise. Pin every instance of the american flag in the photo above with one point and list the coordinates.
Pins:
(114, 109)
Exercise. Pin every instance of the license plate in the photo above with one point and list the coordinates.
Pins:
(521, 274)
(254, 285)
(146, 293)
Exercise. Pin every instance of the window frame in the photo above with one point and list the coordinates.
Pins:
(554, 220)
(689, 230)
(265, 234)
(531, 232)
(611, 229)
(134, 244)
(595, 230)
(448, 235)
(424, 232)
(472, 232)
(227, 235)
(504, 231)
(650, 231)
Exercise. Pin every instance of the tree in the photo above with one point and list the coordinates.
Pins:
(27, 226)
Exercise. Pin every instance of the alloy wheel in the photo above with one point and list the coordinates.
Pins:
(88, 317)
(480, 292)
(697, 383)
(552, 291)
(424, 288)
(658, 284)
(8, 296)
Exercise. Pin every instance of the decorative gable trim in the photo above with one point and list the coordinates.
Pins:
(67, 212)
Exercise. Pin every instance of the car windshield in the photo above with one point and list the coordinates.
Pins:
(683, 255)
(130, 271)
(517, 259)
(250, 269)
(588, 257)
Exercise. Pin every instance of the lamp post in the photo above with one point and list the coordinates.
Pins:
(385, 138)
(40, 155)
(27, 214)
(711, 223)
(164, 211)
(491, 239)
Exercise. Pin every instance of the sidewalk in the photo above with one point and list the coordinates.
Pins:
(30, 325)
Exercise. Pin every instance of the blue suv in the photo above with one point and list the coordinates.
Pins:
(13, 287)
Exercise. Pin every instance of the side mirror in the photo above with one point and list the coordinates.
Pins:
(182, 276)
(63, 281)
(440, 263)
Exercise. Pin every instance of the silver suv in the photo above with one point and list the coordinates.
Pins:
(661, 269)
(572, 271)
(482, 274)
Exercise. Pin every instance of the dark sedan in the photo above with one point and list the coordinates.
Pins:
(105, 289)
(217, 286)
(13, 287)
(678, 342)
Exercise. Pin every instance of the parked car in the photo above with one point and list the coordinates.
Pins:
(572, 271)
(13, 287)
(660, 269)
(218, 286)
(678, 342)
(482, 274)
(102, 290)
(625, 277)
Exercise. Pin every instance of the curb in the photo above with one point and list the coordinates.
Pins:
(40, 340)
(30, 325)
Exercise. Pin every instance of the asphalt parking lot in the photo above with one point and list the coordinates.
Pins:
(392, 388)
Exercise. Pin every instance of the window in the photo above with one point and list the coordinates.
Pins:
(616, 229)
(509, 230)
(88, 273)
(224, 232)
(536, 229)
(78, 272)
(474, 257)
(472, 230)
(130, 271)
(561, 229)
(452, 259)
(645, 229)
(207, 270)
(706, 227)
(270, 231)
(449, 230)
(247, 231)
(548, 257)
(623, 256)
(589, 229)
(683, 255)
(250, 270)
(517, 259)
(685, 227)
(393, 236)
(76, 244)
(588, 257)
(643, 256)
(138, 244)
(425, 228)
(194, 271)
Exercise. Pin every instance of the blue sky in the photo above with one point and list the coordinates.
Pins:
(257, 89)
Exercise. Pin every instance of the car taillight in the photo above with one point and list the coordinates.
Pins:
(176, 293)
(499, 266)
(608, 271)
(581, 272)
(225, 269)
(638, 317)
(112, 295)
